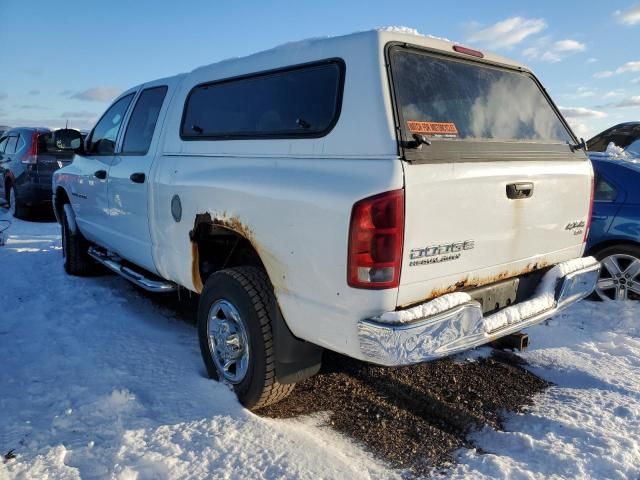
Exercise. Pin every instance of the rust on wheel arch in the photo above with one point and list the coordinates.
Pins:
(274, 269)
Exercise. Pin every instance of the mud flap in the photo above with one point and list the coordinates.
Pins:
(296, 360)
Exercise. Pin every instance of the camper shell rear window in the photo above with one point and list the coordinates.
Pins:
(295, 102)
(452, 99)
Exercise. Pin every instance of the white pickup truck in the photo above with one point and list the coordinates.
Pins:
(388, 196)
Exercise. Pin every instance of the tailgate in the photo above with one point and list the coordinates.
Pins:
(497, 191)
(462, 230)
(56, 150)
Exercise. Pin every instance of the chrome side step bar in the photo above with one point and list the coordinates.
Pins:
(113, 263)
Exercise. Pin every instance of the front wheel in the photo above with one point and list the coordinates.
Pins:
(620, 273)
(235, 315)
(74, 250)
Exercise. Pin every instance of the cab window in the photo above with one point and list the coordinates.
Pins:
(142, 124)
(105, 133)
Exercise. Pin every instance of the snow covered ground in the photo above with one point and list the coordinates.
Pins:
(98, 381)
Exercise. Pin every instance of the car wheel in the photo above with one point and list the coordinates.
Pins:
(620, 273)
(74, 251)
(235, 315)
(16, 209)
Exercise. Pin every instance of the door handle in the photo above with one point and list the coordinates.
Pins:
(101, 174)
(137, 177)
(517, 191)
(599, 217)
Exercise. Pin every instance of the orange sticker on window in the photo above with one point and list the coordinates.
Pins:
(433, 128)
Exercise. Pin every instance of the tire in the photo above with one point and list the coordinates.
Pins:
(16, 208)
(246, 293)
(620, 273)
(77, 261)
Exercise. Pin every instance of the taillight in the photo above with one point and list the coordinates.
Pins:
(468, 51)
(31, 157)
(376, 235)
(588, 226)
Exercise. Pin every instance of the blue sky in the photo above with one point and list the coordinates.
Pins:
(69, 60)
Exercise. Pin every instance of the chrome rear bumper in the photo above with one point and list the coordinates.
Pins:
(464, 326)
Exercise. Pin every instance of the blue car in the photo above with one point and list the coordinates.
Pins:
(614, 238)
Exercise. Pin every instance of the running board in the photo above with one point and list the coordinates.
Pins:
(114, 264)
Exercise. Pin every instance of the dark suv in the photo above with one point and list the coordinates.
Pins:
(28, 158)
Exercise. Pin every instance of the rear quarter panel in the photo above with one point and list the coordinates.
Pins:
(296, 213)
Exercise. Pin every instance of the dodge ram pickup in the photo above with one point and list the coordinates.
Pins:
(391, 197)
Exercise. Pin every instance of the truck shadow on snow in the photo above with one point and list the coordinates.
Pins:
(414, 418)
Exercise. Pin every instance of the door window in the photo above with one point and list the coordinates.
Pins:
(142, 124)
(3, 144)
(11, 145)
(105, 133)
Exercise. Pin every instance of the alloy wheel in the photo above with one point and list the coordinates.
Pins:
(619, 278)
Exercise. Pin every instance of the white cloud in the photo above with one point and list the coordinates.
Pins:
(553, 52)
(98, 94)
(636, 80)
(581, 112)
(581, 130)
(569, 46)
(614, 93)
(633, 66)
(592, 60)
(628, 102)
(629, 67)
(508, 32)
(582, 92)
(630, 16)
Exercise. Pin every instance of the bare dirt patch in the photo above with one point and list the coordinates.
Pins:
(413, 417)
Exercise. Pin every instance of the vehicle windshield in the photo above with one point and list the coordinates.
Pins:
(451, 99)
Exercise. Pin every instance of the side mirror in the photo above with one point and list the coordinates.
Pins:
(67, 139)
(581, 145)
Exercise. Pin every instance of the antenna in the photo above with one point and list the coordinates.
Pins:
(66, 125)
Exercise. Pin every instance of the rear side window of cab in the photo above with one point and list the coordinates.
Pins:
(302, 101)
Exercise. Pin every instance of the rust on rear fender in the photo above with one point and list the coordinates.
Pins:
(195, 267)
(274, 268)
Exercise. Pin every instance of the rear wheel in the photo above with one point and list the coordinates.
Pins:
(235, 315)
(16, 209)
(620, 273)
(74, 250)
